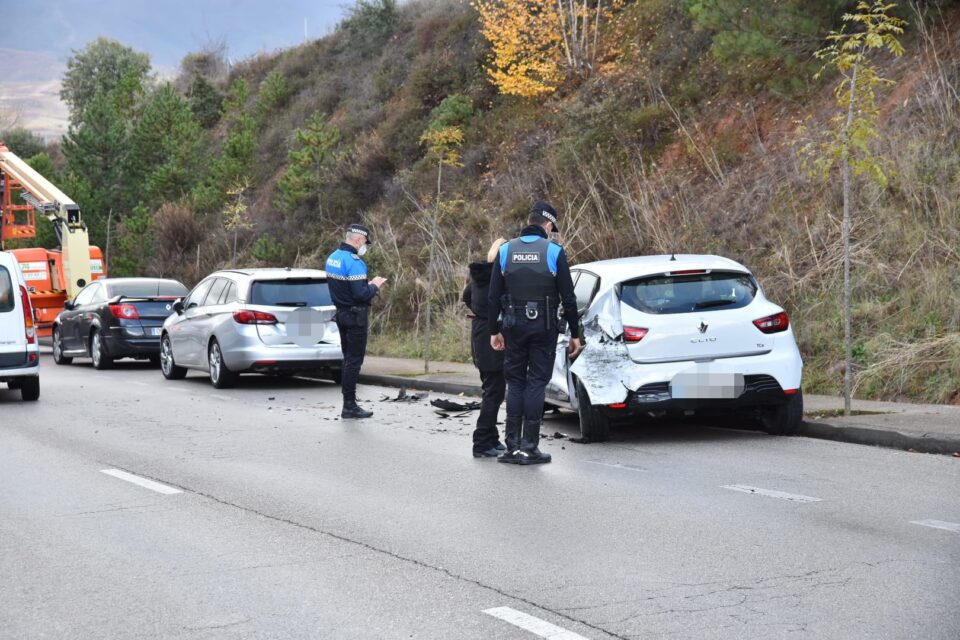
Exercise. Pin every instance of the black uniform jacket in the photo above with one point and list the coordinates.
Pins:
(568, 299)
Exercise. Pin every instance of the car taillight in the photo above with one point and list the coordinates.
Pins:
(28, 329)
(254, 317)
(634, 334)
(773, 324)
(124, 311)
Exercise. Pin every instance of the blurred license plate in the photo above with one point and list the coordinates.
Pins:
(155, 331)
(702, 385)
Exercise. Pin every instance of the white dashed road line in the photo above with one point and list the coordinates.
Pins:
(616, 465)
(770, 493)
(938, 524)
(143, 482)
(535, 626)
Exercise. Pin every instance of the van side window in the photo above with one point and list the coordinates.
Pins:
(6, 291)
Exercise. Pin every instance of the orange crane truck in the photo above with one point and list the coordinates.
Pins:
(53, 275)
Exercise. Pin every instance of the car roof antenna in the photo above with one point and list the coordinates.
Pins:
(673, 256)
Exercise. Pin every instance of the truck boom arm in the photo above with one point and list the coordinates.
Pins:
(54, 205)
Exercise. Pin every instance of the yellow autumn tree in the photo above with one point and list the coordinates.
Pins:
(537, 43)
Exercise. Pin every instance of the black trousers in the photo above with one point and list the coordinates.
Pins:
(528, 366)
(353, 342)
(486, 436)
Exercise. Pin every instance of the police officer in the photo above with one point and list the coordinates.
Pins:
(352, 295)
(530, 281)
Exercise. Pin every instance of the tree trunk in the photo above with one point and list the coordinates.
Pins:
(847, 293)
(433, 243)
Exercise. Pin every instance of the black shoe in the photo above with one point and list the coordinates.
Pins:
(492, 452)
(532, 456)
(500, 447)
(510, 457)
(355, 412)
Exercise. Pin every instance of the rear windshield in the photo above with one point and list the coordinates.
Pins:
(690, 292)
(148, 289)
(294, 292)
(6, 291)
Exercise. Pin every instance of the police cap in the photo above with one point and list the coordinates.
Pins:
(548, 212)
(361, 230)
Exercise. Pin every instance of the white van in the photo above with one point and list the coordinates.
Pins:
(19, 351)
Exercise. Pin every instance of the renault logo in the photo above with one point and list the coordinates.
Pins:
(702, 327)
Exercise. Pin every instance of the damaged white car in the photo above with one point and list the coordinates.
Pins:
(677, 334)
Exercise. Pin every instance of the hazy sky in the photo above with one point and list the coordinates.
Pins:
(165, 29)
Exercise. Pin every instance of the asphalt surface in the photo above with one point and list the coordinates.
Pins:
(290, 523)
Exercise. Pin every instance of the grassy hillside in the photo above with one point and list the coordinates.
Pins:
(684, 136)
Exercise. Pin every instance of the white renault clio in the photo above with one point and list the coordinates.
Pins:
(677, 334)
(19, 351)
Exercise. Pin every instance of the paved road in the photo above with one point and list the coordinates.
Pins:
(289, 523)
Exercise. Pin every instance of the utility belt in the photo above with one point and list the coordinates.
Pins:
(356, 316)
(518, 311)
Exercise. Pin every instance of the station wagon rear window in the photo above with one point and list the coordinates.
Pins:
(148, 289)
(690, 292)
(292, 292)
(6, 291)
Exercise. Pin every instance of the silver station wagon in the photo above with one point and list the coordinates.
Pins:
(269, 321)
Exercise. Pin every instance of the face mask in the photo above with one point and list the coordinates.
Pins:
(362, 250)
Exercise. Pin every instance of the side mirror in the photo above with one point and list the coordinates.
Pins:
(69, 306)
(178, 306)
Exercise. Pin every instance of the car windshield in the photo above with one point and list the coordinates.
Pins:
(685, 293)
(293, 292)
(147, 289)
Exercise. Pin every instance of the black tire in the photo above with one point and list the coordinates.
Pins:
(220, 375)
(98, 352)
(154, 360)
(30, 388)
(169, 370)
(58, 356)
(784, 419)
(594, 425)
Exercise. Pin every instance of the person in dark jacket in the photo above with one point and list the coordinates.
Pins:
(489, 362)
(529, 284)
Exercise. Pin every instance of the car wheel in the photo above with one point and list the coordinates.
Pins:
(30, 388)
(167, 367)
(98, 353)
(594, 426)
(784, 419)
(220, 375)
(58, 356)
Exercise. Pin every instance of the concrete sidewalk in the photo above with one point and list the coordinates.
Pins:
(928, 428)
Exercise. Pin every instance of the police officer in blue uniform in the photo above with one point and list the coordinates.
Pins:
(352, 295)
(530, 282)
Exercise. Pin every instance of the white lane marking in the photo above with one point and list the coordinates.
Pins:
(616, 465)
(770, 493)
(217, 396)
(938, 524)
(535, 626)
(143, 482)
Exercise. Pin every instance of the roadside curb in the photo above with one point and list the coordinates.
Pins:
(879, 437)
(439, 386)
(820, 430)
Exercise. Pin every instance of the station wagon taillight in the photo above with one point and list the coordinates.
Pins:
(124, 311)
(773, 324)
(254, 317)
(28, 328)
(634, 334)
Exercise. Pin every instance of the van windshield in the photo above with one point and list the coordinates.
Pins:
(293, 292)
(688, 293)
(6, 291)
